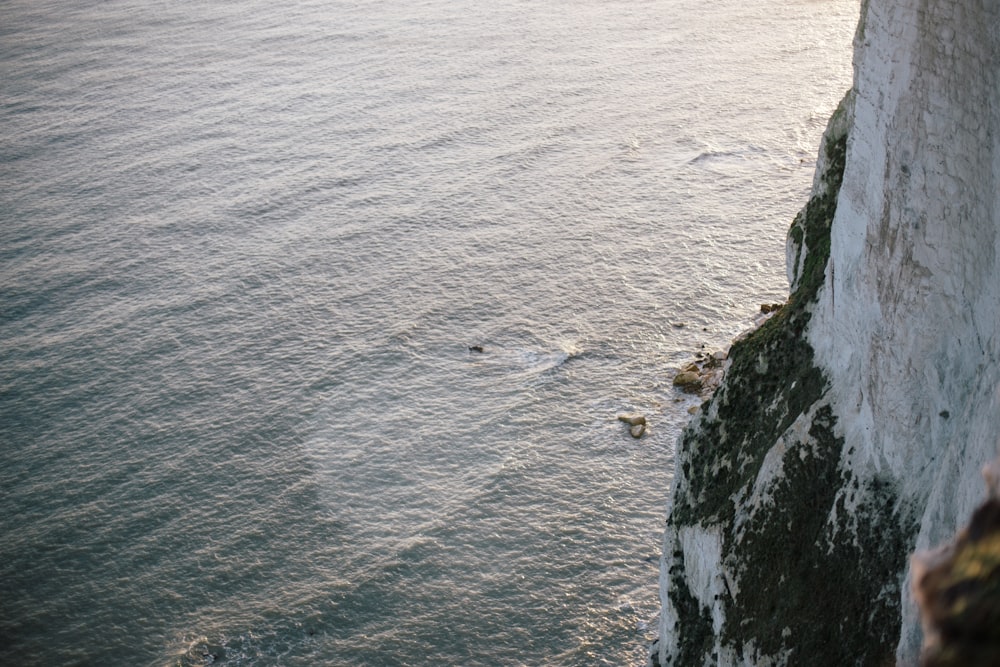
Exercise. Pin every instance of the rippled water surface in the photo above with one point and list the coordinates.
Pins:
(245, 248)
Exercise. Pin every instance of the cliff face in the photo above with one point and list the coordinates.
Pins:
(851, 427)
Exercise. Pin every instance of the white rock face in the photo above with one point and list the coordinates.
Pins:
(898, 357)
(907, 327)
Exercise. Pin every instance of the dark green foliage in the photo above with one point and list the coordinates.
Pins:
(698, 633)
(825, 593)
(836, 592)
(813, 225)
(771, 368)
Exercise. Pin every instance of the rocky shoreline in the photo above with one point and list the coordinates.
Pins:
(703, 375)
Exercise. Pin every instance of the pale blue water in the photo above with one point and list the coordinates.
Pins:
(244, 250)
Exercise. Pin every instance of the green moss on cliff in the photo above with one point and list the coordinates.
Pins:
(699, 636)
(770, 382)
(817, 590)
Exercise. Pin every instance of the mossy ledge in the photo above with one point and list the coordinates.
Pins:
(774, 553)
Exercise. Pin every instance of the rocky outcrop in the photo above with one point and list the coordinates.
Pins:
(703, 375)
(850, 427)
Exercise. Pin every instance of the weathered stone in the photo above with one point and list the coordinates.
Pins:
(637, 430)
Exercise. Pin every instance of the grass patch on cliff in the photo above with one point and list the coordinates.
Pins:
(816, 591)
(771, 379)
(699, 635)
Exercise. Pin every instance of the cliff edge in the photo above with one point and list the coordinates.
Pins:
(851, 427)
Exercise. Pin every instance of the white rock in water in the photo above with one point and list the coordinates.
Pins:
(632, 420)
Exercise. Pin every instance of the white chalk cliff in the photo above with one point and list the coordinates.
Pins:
(851, 428)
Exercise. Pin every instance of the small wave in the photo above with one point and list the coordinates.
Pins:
(542, 361)
(743, 153)
(532, 360)
(711, 156)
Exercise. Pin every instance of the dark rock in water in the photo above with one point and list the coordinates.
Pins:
(476, 348)
(637, 430)
(632, 420)
(206, 653)
(766, 308)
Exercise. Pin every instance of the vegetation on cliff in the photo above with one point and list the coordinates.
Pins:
(811, 555)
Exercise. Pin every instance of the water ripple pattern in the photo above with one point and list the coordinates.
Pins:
(316, 316)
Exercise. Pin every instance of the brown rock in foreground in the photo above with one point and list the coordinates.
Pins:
(957, 587)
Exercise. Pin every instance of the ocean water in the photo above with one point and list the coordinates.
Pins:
(245, 248)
